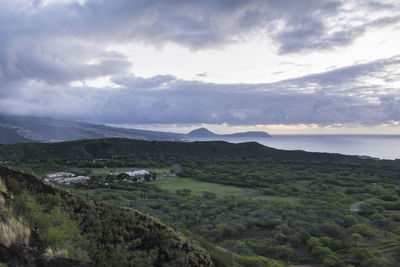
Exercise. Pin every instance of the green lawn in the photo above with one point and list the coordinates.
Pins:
(198, 187)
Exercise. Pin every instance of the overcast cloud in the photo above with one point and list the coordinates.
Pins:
(50, 49)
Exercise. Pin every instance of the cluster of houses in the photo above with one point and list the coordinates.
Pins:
(129, 177)
(135, 173)
(135, 176)
(141, 176)
(65, 178)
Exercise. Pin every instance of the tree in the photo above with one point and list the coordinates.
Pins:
(376, 262)
(349, 220)
(184, 192)
(362, 229)
(122, 176)
(332, 230)
(209, 195)
(356, 238)
(359, 255)
(321, 252)
(147, 177)
(332, 260)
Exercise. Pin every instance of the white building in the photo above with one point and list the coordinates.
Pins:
(77, 179)
(135, 173)
(60, 174)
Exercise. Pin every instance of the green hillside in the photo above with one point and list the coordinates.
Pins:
(118, 147)
(205, 156)
(247, 204)
(45, 226)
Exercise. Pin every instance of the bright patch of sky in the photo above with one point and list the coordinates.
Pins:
(273, 129)
(255, 61)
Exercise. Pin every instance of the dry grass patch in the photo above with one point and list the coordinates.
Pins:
(11, 231)
(51, 254)
(3, 187)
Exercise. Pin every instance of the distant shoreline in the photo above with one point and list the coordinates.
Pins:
(375, 146)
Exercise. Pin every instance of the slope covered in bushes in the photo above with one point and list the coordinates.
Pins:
(43, 225)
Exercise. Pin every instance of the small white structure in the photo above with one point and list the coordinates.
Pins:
(60, 174)
(135, 173)
(77, 179)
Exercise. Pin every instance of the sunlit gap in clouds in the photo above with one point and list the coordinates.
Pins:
(273, 129)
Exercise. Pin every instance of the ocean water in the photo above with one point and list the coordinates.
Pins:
(378, 146)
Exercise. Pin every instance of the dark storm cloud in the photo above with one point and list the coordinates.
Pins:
(353, 94)
(33, 47)
(348, 79)
(324, 98)
(56, 61)
(308, 28)
(294, 25)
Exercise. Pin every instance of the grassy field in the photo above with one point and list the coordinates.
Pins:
(198, 187)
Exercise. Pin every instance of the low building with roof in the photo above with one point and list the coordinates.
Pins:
(60, 175)
(77, 179)
(134, 173)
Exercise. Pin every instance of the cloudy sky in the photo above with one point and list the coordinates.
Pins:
(287, 66)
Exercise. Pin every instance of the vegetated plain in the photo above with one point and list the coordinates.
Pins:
(245, 203)
(200, 188)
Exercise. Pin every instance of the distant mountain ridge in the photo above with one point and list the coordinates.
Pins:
(18, 129)
(204, 132)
